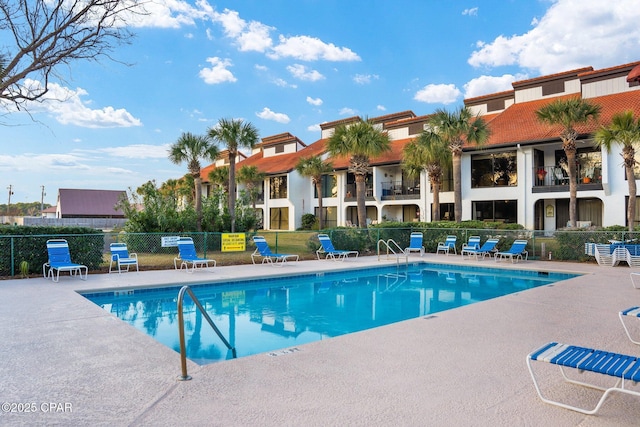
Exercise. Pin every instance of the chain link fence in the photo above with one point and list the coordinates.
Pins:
(156, 252)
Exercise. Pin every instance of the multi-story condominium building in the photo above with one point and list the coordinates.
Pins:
(518, 176)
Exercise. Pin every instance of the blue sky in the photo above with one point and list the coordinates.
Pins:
(288, 66)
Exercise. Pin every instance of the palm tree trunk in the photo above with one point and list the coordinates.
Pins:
(232, 190)
(436, 201)
(360, 197)
(320, 215)
(198, 196)
(457, 186)
(631, 209)
(573, 185)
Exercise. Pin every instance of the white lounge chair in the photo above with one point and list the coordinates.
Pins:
(472, 244)
(60, 260)
(188, 256)
(329, 251)
(516, 251)
(415, 243)
(122, 258)
(448, 245)
(626, 369)
(633, 312)
(487, 249)
(263, 250)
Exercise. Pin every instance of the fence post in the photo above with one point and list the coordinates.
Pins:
(12, 259)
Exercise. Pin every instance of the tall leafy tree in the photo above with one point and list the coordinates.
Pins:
(220, 177)
(455, 128)
(234, 134)
(568, 113)
(43, 38)
(359, 142)
(428, 152)
(314, 167)
(189, 149)
(624, 129)
(251, 177)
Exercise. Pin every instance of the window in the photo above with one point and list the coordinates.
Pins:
(278, 187)
(279, 148)
(329, 187)
(496, 211)
(330, 216)
(490, 170)
(279, 218)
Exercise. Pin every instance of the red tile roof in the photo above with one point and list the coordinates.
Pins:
(519, 124)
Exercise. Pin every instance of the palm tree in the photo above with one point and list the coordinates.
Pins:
(455, 129)
(251, 177)
(191, 148)
(428, 152)
(314, 167)
(359, 141)
(624, 130)
(568, 113)
(220, 177)
(235, 134)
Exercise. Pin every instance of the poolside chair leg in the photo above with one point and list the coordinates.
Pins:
(624, 325)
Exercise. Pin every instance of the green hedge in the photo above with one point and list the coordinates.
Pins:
(29, 244)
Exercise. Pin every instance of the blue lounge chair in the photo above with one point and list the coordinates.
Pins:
(122, 258)
(415, 243)
(60, 260)
(448, 245)
(633, 312)
(472, 244)
(329, 251)
(263, 250)
(516, 251)
(187, 255)
(625, 368)
(488, 248)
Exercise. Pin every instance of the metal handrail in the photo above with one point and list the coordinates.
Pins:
(388, 243)
(183, 352)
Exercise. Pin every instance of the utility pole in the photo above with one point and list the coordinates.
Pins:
(9, 203)
(42, 201)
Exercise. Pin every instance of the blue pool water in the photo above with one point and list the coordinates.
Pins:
(268, 315)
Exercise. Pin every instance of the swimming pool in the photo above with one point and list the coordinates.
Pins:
(272, 314)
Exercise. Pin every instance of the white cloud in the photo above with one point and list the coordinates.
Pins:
(347, 111)
(165, 14)
(314, 101)
(218, 72)
(267, 114)
(252, 36)
(381, 108)
(307, 48)
(283, 83)
(314, 128)
(260, 67)
(438, 94)
(363, 79)
(484, 85)
(571, 34)
(67, 107)
(137, 151)
(471, 12)
(303, 73)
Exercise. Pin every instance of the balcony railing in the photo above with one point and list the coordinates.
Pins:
(350, 192)
(399, 189)
(556, 176)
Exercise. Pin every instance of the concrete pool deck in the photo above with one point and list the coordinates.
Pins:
(79, 365)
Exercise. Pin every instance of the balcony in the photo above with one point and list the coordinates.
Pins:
(400, 190)
(554, 178)
(350, 192)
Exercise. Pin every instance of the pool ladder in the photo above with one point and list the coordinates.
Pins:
(390, 244)
(183, 351)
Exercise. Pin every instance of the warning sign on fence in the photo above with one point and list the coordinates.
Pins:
(233, 242)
